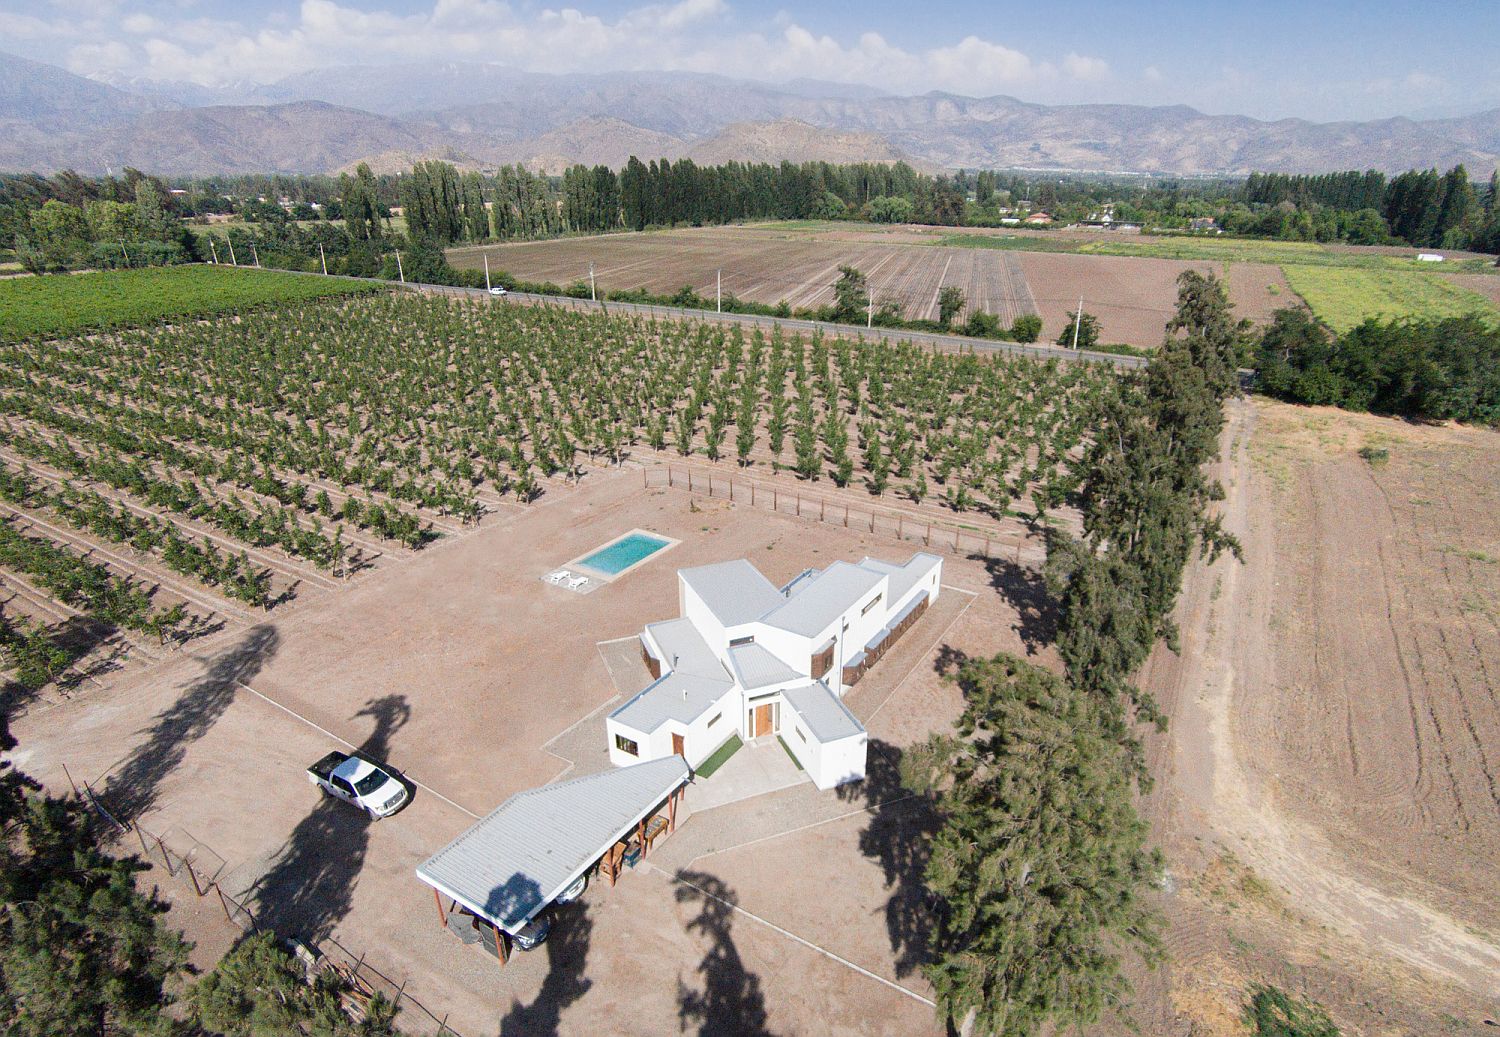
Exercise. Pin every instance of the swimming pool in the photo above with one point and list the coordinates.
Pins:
(625, 553)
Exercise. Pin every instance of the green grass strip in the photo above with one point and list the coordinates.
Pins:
(718, 756)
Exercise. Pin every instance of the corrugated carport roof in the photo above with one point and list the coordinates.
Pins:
(512, 863)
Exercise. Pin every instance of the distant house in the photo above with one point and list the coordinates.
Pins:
(1038, 219)
(747, 658)
(1204, 223)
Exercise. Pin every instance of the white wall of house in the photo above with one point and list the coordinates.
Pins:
(699, 739)
(828, 764)
(702, 616)
(793, 649)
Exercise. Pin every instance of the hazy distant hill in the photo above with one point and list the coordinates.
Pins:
(485, 114)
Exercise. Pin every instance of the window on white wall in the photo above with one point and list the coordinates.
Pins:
(625, 745)
(716, 719)
(871, 604)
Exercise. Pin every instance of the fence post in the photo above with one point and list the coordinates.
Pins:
(986, 547)
(752, 495)
(76, 793)
(822, 509)
(927, 539)
(142, 837)
(775, 500)
(193, 875)
(710, 484)
(224, 904)
(872, 522)
(899, 534)
(846, 516)
(731, 491)
(669, 476)
(799, 505)
(164, 858)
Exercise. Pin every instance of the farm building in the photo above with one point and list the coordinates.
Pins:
(747, 658)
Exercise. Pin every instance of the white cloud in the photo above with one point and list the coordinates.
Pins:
(688, 35)
(1152, 74)
(1090, 70)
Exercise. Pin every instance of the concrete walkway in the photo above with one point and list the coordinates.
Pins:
(761, 766)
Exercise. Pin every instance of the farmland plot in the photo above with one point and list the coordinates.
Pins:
(767, 268)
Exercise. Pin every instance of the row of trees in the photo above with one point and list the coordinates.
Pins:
(1040, 866)
(101, 232)
(1439, 370)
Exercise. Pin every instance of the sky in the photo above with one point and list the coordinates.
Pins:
(1316, 59)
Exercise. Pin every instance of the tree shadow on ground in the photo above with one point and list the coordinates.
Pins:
(1026, 590)
(898, 838)
(310, 888)
(567, 950)
(131, 789)
(730, 1001)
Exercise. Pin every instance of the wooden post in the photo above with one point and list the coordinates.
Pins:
(986, 547)
(752, 495)
(672, 811)
(225, 904)
(872, 522)
(502, 949)
(846, 516)
(164, 858)
(76, 793)
(799, 505)
(927, 540)
(775, 499)
(640, 835)
(442, 915)
(710, 484)
(193, 875)
(643, 478)
(669, 476)
(822, 510)
(899, 534)
(731, 491)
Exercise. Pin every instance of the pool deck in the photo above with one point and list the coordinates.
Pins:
(584, 569)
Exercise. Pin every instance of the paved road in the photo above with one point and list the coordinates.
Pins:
(948, 342)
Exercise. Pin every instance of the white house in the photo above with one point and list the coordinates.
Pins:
(746, 658)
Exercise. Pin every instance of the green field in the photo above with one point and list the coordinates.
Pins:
(62, 304)
(1343, 298)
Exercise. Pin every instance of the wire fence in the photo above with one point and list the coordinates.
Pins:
(360, 979)
(936, 536)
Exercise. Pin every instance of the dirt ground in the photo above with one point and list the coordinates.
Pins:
(475, 679)
(1325, 790)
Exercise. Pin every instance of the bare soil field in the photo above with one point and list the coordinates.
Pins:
(1325, 792)
(765, 267)
(1132, 297)
(1487, 285)
(476, 679)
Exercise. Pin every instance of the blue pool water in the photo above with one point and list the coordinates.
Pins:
(622, 554)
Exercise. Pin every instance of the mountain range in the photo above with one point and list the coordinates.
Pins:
(480, 115)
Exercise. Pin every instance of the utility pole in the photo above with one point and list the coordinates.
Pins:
(1078, 322)
(324, 257)
(593, 296)
(719, 291)
(212, 249)
(255, 255)
(232, 260)
(126, 251)
(870, 310)
(399, 270)
(486, 271)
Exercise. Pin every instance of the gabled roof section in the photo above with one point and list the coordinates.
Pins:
(735, 591)
(684, 650)
(512, 863)
(821, 599)
(678, 696)
(826, 718)
(903, 577)
(757, 668)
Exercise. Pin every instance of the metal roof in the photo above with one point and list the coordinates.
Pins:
(827, 719)
(903, 577)
(684, 650)
(683, 697)
(734, 591)
(511, 864)
(824, 598)
(758, 668)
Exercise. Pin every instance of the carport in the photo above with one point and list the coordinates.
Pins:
(511, 864)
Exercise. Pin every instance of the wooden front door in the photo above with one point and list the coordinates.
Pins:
(762, 720)
(677, 746)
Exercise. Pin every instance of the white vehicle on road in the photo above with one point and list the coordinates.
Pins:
(358, 781)
(497, 290)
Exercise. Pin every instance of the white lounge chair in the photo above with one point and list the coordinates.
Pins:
(577, 582)
(559, 576)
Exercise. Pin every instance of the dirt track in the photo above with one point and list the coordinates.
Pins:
(1327, 780)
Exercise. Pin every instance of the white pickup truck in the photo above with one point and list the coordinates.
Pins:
(358, 781)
